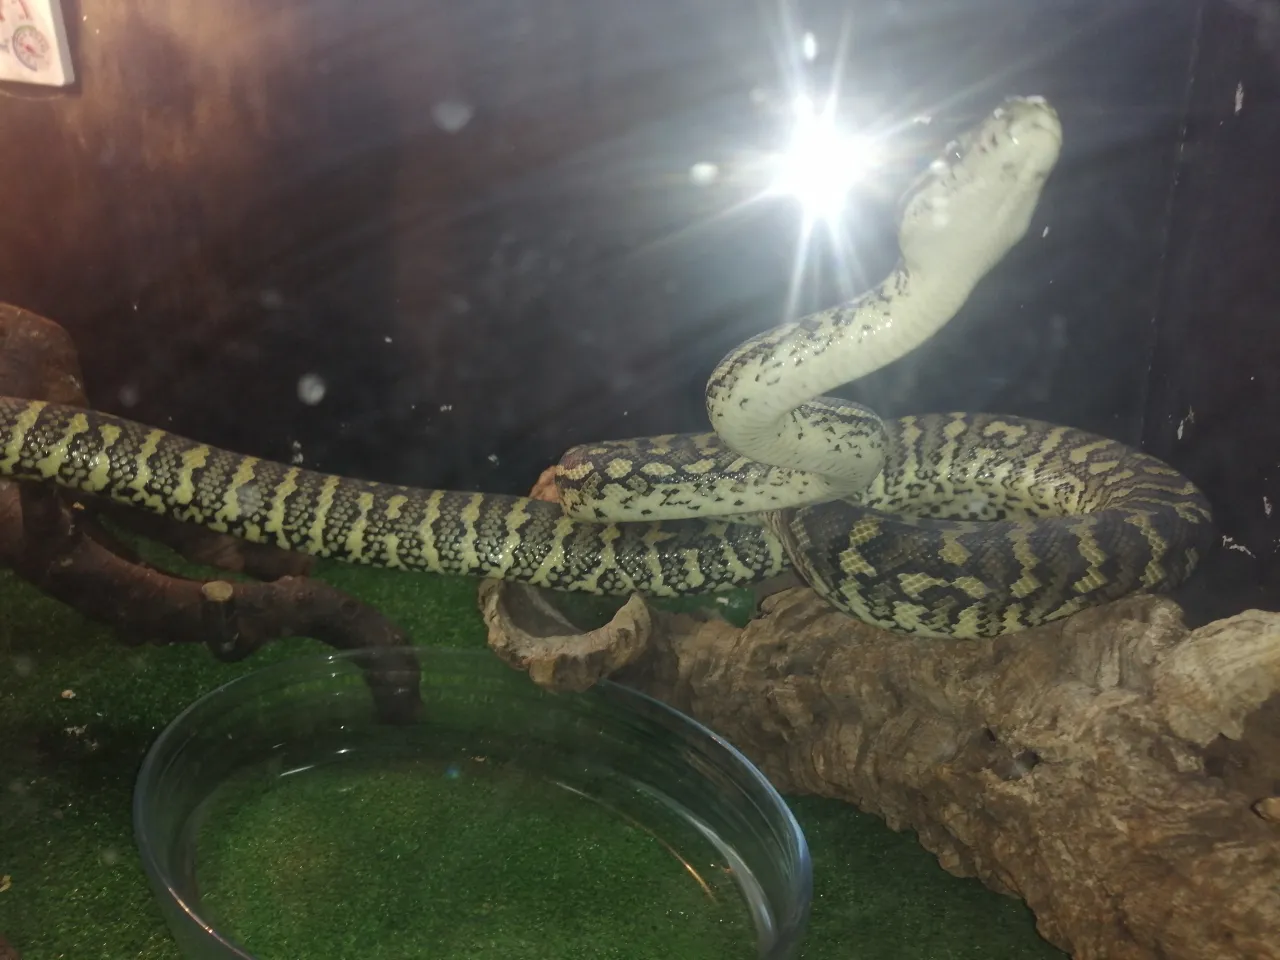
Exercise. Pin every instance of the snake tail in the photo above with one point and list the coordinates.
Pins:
(376, 524)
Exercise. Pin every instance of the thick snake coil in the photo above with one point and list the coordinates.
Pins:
(944, 525)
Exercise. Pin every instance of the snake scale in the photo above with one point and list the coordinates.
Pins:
(963, 525)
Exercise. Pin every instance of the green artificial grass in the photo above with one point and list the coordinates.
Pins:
(78, 710)
(504, 859)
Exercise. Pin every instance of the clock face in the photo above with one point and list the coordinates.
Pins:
(30, 47)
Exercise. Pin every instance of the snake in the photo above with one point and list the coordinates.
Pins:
(959, 525)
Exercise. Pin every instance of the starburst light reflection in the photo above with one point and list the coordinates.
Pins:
(822, 163)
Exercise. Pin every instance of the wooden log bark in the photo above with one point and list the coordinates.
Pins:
(1116, 771)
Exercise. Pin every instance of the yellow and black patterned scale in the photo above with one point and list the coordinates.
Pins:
(358, 521)
(982, 525)
(979, 525)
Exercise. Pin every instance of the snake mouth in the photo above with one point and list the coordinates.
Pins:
(1038, 132)
(1029, 123)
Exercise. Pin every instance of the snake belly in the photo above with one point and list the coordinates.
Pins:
(779, 441)
(790, 476)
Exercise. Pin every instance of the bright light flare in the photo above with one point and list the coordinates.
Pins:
(823, 163)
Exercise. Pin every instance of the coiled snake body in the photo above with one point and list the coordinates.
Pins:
(944, 525)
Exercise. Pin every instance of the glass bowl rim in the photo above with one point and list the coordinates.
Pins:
(790, 927)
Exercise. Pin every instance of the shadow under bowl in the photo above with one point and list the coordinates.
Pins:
(424, 802)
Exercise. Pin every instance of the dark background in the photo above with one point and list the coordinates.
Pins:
(230, 201)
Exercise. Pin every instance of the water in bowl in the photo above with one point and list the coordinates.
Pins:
(478, 849)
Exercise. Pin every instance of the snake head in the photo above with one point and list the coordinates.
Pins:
(976, 200)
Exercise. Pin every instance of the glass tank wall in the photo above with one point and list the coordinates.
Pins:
(438, 243)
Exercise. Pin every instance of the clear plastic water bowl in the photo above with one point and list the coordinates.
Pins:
(435, 803)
